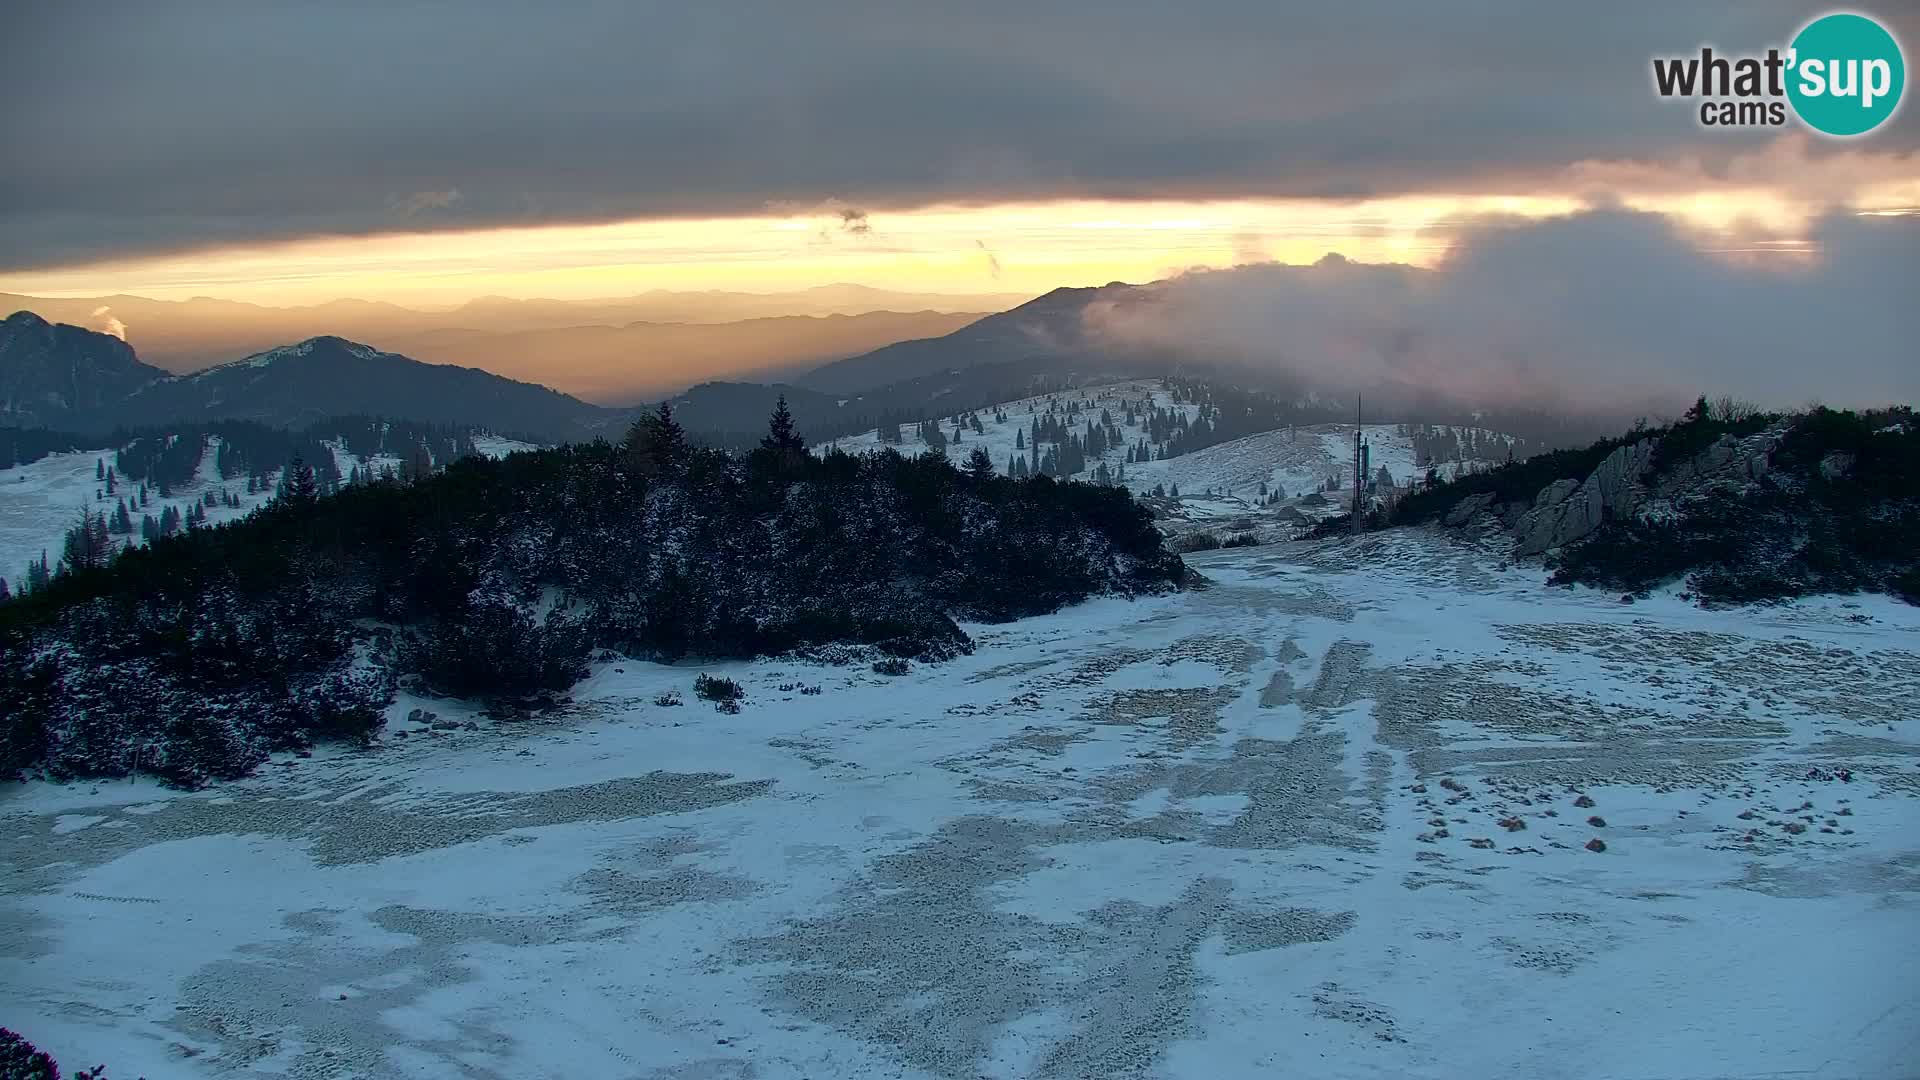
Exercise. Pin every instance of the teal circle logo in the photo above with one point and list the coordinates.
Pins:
(1846, 74)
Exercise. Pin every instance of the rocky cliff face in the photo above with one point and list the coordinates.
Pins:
(1620, 487)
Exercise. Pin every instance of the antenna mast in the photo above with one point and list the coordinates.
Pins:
(1358, 481)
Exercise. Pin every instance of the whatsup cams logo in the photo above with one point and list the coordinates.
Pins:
(1841, 75)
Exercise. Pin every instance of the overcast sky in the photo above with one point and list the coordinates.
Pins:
(149, 127)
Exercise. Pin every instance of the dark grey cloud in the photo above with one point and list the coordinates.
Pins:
(142, 126)
(1607, 309)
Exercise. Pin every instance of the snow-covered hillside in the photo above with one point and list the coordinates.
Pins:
(1218, 481)
(41, 500)
(1374, 810)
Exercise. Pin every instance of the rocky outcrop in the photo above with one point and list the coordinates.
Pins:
(1567, 510)
(1465, 510)
(1621, 486)
(1728, 460)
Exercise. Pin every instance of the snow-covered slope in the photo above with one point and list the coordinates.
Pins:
(41, 500)
(1250, 831)
(1217, 481)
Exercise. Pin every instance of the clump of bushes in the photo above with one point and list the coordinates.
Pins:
(1241, 540)
(21, 1060)
(496, 649)
(708, 688)
(892, 665)
(1199, 541)
(1907, 586)
(668, 699)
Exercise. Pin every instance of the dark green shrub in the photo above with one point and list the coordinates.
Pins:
(21, 1060)
(708, 688)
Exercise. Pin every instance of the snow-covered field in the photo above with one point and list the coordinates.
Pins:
(41, 500)
(1248, 831)
(1224, 480)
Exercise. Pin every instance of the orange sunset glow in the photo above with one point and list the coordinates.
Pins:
(996, 248)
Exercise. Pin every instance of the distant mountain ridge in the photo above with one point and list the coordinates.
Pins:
(1047, 332)
(620, 364)
(52, 374)
(186, 335)
(329, 376)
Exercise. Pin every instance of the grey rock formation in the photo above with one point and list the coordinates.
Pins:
(1556, 493)
(1565, 510)
(1730, 459)
(1465, 510)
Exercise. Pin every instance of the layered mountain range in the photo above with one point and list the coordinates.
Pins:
(68, 377)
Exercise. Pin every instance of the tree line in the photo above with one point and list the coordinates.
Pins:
(196, 655)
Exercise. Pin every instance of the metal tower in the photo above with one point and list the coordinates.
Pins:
(1359, 482)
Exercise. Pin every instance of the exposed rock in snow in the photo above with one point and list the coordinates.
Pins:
(1563, 513)
(1465, 510)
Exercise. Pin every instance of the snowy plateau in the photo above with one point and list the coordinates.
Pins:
(1375, 808)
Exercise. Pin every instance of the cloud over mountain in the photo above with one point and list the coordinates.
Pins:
(1603, 308)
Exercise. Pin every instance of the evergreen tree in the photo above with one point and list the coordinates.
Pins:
(780, 434)
(88, 545)
(5, 594)
(656, 443)
(100, 465)
(1019, 439)
(300, 488)
(980, 464)
(38, 576)
(149, 528)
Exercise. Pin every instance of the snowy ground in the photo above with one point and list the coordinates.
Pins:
(1220, 481)
(1248, 831)
(41, 500)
